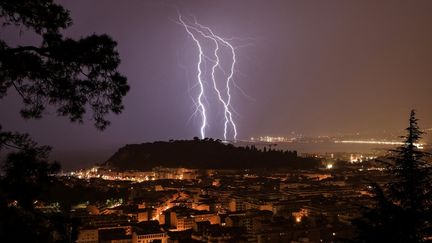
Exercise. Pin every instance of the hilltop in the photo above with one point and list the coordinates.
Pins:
(203, 154)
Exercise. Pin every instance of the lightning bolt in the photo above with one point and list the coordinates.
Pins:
(227, 103)
(200, 81)
(218, 41)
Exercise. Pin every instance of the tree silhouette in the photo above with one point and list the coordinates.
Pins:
(66, 73)
(71, 75)
(403, 207)
(204, 154)
(27, 176)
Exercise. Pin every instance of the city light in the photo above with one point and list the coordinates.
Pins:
(271, 139)
(418, 145)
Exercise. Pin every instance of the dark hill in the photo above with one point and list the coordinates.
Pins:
(203, 154)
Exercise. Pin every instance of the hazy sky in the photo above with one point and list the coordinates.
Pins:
(313, 67)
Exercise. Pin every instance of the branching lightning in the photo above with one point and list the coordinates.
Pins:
(228, 113)
(206, 32)
(201, 85)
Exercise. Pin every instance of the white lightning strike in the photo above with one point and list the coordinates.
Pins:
(228, 113)
(201, 85)
(216, 64)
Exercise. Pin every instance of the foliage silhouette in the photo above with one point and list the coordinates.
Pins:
(71, 75)
(63, 72)
(204, 154)
(403, 207)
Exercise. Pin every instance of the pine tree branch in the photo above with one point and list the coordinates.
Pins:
(19, 91)
(38, 50)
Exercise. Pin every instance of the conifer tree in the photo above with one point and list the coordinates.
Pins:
(403, 206)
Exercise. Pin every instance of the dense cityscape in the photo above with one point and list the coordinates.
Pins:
(226, 205)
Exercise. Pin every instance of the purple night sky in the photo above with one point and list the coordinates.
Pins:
(313, 67)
